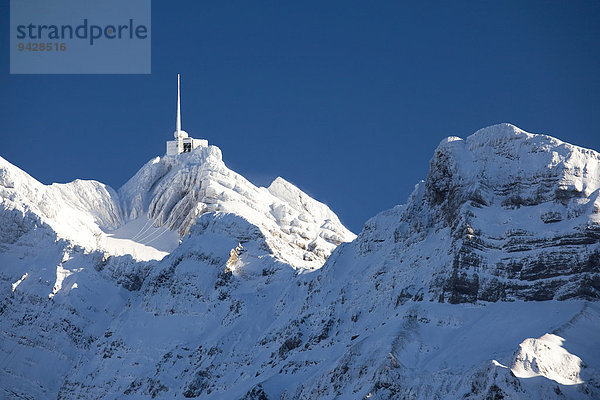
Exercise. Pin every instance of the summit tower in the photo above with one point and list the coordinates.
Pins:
(182, 143)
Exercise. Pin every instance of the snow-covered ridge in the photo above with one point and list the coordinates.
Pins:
(432, 300)
(175, 191)
(80, 211)
(91, 197)
(503, 158)
(163, 200)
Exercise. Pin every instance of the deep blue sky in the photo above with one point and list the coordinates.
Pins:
(345, 99)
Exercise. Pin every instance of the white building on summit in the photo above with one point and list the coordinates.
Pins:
(182, 143)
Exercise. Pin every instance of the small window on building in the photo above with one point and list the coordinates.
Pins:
(187, 147)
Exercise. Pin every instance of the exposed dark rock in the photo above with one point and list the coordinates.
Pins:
(256, 393)
(197, 385)
(289, 344)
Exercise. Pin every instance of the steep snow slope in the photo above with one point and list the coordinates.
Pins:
(55, 300)
(216, 327)
(70, 256)
(432, 300)
(82, 212)
(174, 191)
(70, 209)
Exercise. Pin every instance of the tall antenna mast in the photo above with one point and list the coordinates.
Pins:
(182, 143)
(178, 127)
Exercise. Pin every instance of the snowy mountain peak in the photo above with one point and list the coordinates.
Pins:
(503, 159)
(501, 215)
(156, 207)
(489, 134)
(173, 191)
(501, 130)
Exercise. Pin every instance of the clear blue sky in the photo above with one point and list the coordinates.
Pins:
(346, 99)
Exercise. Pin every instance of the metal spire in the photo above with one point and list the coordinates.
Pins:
(178, 127)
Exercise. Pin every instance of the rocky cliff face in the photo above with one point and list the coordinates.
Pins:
(432, 300)
(502, 215)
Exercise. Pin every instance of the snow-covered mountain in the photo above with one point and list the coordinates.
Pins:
(502, 215)
(484, 285)
(174, 191)
(73, 255)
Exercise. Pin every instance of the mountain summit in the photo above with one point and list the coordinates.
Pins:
(484, 285)
(173, 191)
(501, 215)
(154, 209)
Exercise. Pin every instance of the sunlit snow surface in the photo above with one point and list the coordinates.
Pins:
(142, 239)
(17, 283)
(99, 300)
(546, 357)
